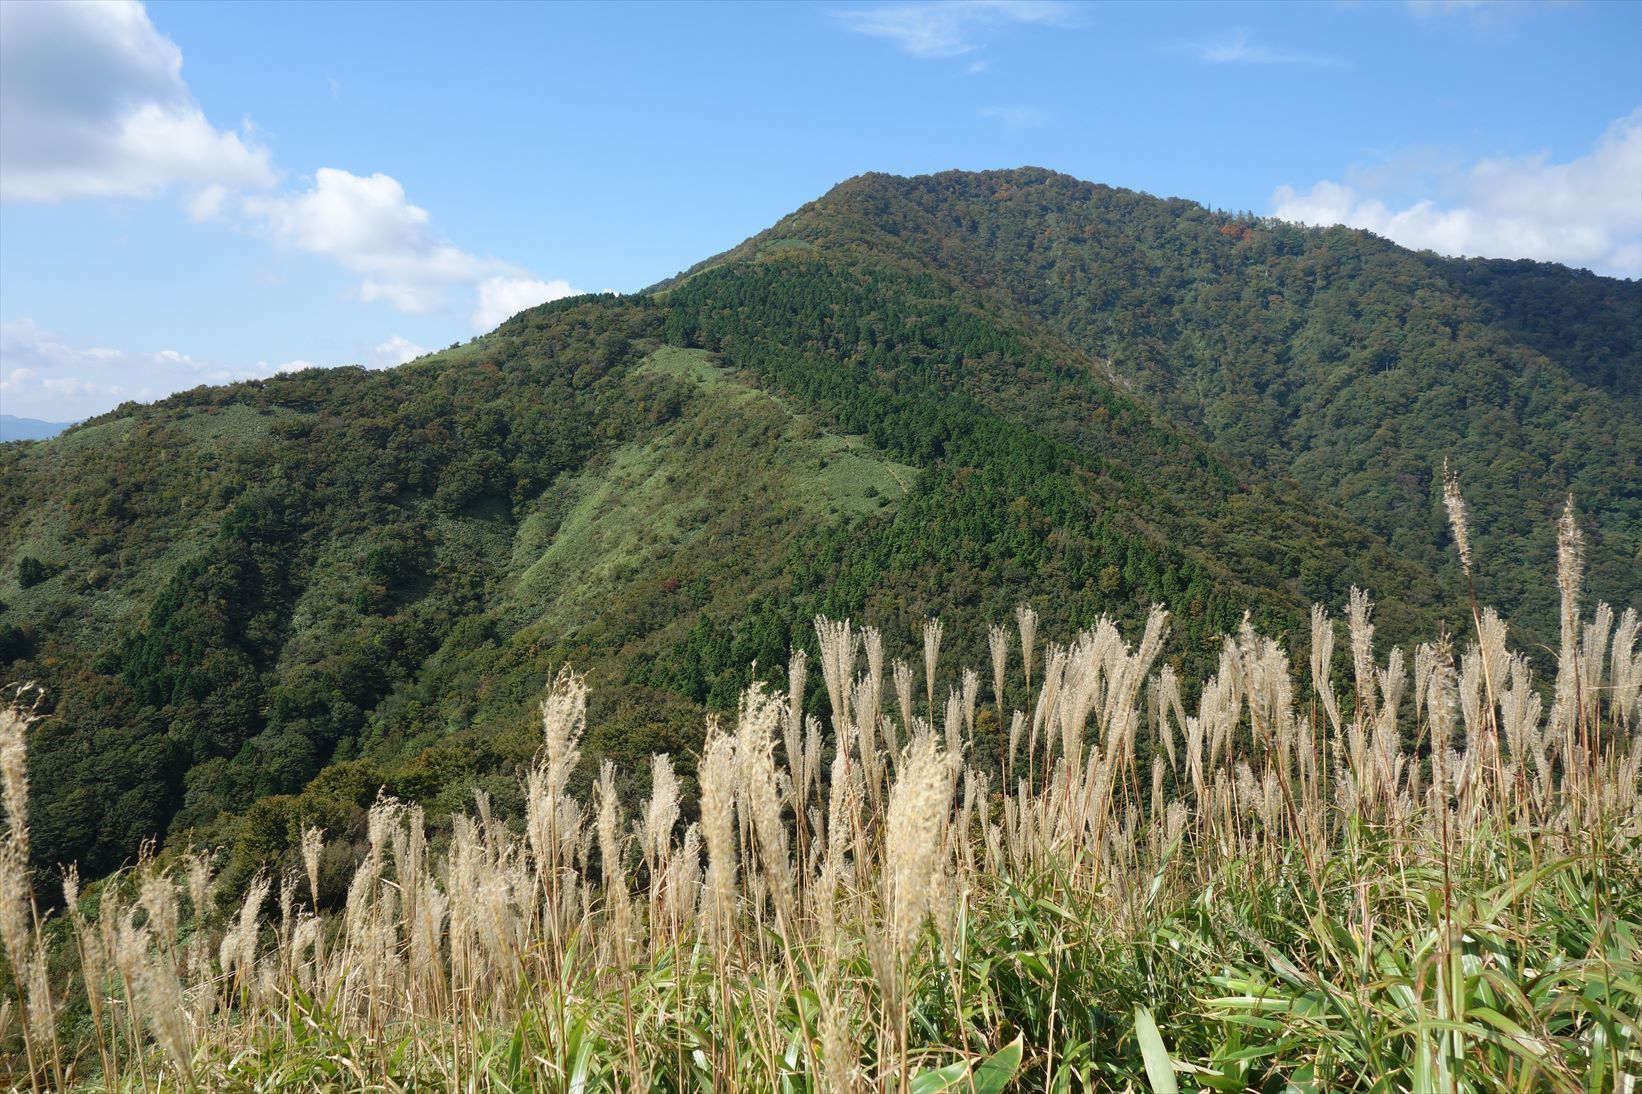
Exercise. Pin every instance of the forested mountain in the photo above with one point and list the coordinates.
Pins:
(1332, 357)
(253, 607)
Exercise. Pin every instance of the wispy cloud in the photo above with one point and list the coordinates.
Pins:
(1479, 18)
(1015, 117)
(46, 374)
(1585, 212)
(51, 375)
(1239, 47)
(1428, 11)
(950, 29)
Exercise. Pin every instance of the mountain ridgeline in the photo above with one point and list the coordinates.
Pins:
(253, 608)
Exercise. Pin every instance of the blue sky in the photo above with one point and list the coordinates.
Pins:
(194, 193)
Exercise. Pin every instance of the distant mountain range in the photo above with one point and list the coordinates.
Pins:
(13, 428)
(254, 607)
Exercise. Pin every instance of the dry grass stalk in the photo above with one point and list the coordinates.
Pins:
(466, 936)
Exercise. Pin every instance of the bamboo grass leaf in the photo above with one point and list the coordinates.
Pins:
(1159, 1071)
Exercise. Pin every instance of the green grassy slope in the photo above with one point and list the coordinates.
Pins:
(706, 489)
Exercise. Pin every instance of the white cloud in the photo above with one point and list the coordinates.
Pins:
(47, 376)
(1585, 212)
(949, 29)
(208, 203)
(93, 104)
(69, 386)
(368, 226)
(1239, 47)
(1015, 117)
(262, 370)
(501, 298)
(397, 350)
(404, 296)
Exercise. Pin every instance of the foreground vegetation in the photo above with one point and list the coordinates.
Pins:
(1424, 876)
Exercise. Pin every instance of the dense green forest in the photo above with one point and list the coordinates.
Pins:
(252, 608)
(1330, 357)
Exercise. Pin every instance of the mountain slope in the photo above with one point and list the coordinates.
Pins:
(253, 608)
